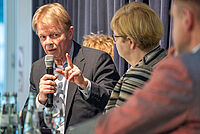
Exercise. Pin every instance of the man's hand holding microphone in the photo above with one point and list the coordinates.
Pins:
(47, 83)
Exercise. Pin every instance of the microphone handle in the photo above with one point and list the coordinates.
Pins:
(49, 96)
(49, 70)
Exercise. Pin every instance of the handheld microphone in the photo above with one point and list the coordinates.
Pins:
(49, 61)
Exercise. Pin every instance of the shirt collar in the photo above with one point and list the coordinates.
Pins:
(150, 56)
(71, 56)
(197, 48)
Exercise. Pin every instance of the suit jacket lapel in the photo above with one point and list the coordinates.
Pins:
(39, 73)
(78, 60)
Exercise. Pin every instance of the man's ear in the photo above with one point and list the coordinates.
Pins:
(71, 31)
(131, 42)
(189, 19)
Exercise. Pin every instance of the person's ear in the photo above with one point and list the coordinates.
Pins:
(70, 32)
(131, 42)
(189, 19)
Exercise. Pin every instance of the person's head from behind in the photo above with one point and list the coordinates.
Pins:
(138, 24)
(52, 24)
(99, 41)
(186, 24)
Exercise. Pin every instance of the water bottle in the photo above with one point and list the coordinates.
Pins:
(13, 117)
(4, 114)
(31, 125)
(0, 100)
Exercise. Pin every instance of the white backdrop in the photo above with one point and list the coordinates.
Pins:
(18, 47)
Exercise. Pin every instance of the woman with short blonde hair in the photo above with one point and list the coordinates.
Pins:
(137, 32)
(141, 23)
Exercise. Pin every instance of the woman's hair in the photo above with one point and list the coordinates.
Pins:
(52, 14)
(99, 41)
(138, 21)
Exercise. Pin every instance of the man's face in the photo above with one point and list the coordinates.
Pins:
(54, 41)
(179, 32)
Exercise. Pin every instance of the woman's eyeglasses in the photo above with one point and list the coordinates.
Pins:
(115, 36)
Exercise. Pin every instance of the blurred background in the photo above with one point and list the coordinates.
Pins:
(15, 47)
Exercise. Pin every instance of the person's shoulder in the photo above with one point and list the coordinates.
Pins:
(187, 58)
(38, 66)
(137, 74)
(191, 61)
(90, 51)
(95, 53)
(38, 62)
(139, 70)
(171, 64)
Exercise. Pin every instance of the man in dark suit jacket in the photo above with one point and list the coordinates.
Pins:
(91, 73)
(169, 102)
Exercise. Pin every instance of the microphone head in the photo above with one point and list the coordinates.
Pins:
(49, 60)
